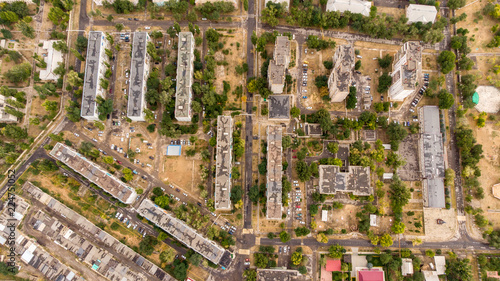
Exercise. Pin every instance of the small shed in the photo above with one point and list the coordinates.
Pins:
(324, 215)
(406, 267)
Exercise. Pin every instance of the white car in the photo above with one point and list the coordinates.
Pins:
(77, 135)
(309, 107)
(127, 135)
(302, 222)
(147, 27)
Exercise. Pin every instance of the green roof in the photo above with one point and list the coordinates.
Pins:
(475, 98)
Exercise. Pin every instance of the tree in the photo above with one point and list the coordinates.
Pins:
(104, 107)
(321, 238)
(81, 43)
(446, 100)
(386, 240)
(19, 73)
(295, 112)
(328, 64)
(285, 236)
(385, 258)
(313, 209)
(446, 61)
(26, 29)
(303, 171)
(385, 62)
(260, 260)
(384, 82)
(180, 269)
(456, 4)
(147, 244)
(398, 227)
(236, 194)
(333, 147)
(458, 269)
(357, 66)
(123, 6)
(73, 79)
(57, 15)
(296, 258)
(167, 256)
(336, 251)
(352, 100)
(14, 132)
(127, 174)
(250, 275)
(302, 231)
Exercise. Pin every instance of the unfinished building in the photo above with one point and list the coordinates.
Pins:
(184, 233)
(223, 162)
(95, 70)
(185, 70)
(432, 153)
(278, 65)
(406, 71)
(340, 78)
(94, 173)
(4, 116)
(274, 171)
(139, 73)
(355, 180)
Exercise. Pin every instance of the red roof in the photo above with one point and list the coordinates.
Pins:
(371, 275)
(333, 265)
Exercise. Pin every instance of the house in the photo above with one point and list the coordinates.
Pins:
(283, 3)
(333, 265)
(353, 6)
(421, 13)
(440, 262)
(52, 58)
(324, 215)
(370, 274)
(406, 267)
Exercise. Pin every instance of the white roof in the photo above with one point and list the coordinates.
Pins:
(2, 240)
(52, 59)
(421, 13)
(324, 215)
(373, 220)
(354, 6)
(407, 267)
(430, 275)
(440, 262)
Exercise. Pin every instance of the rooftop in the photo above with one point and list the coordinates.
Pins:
(343, 67)
(407, 65)
(93, 62)
(223, 162)
(279, 107)
(354, 6)
(274, 172)
(282, 50)
(137, 91)
(4, 116)
(94, 173)
(431, 143)
(95, 234)
(185, 68)
(276, 73)
(489, 99)
(53, 58)
(374, 274)
(333, 265)
(174, 150)
(421, 13)
(356, 180)
(277, 274)
(181, 231)
(406, 267)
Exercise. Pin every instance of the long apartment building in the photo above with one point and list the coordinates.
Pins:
(341, 76)
(274, 172)
(223, 162)
(185, 71)
(406, 71)
(278, 65)
(184, 233)
(139, 73)
(94, 173)
(95, 70)
(90, 244)
(4, 116)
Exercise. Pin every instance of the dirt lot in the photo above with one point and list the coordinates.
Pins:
(408, 149)
(489, 166)
(38, 111)
(344, 218)
(181, 171)
(483, 70)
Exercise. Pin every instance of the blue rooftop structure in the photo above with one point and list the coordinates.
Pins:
(174, 150)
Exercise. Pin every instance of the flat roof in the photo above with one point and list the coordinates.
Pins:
(407, 65)
(276, 73)
(94, 173)
(431, 142)
(223, 162)
(276, 274)
(181, 231)
(174, 150)
(356, 180)
(279, 107)
(93, 63)
(98, 235)
(354, 6)
(282, 50)
(274, 172)
(136, 94)
(421, 13)
(343, 67)
(53, 58)
(185, 69)
(4, 116)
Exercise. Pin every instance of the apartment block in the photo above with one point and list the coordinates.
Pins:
(139, 73)
(4, 116)
(95, 70)
(185, 71)
(223, 162)
(406, 71)
(184, 233)
(94, 173)
(278, 65)
(341, 76)
(355, 180)
(274, 172)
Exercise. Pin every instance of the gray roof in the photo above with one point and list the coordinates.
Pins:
(341, 75)
(433, 157)
(279, 107)
(223, 162)
(277, 274)
(91, 81)
(274, 172)
(282, 51)
(94, 173)
(356, 180)
(407, 64)
(185, 69)
(138, 75)
(354, 6)
(421, 13)
(276, 73)
(181, 231)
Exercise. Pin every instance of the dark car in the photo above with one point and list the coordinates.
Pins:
(198, 203)
(178, 190)
(129, 19)
(135, 19)
(151, 157)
